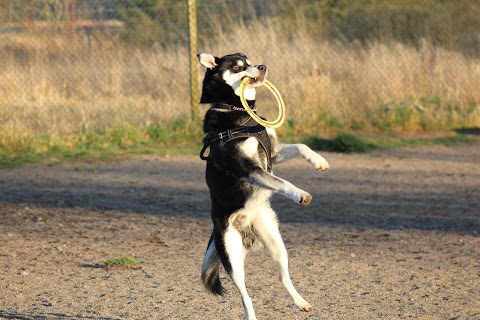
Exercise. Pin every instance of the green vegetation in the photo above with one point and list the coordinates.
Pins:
(119, 140)
(449, 24)
(454, 25)
(342, 142)
(123, 140)
(123, 262)
(116, 83)
(97, 309)
(152, 21)
(350, 143)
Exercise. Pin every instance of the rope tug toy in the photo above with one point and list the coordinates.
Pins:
(281, 105)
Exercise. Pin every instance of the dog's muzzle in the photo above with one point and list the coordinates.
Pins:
(257, 74)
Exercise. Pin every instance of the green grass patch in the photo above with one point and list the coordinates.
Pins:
(117, 141)
(182, 136)
(350, 143)
(123, 263)
(424, 114)
(342, 142)
(96, 309)
(390, 143)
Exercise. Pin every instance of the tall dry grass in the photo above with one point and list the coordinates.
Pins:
(337, 84)
(53, 84)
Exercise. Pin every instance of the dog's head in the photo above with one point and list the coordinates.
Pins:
(224, 76)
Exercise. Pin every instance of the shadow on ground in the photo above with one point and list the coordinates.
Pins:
(413, 188)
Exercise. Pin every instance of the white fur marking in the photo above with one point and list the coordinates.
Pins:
(276, 184)
(290, 151)
(273, 138)
(240, 63)
(207, 60)
(249, 93)
(266, 225)
(250, 147)
(209, 256)
(235, 79)
(236, 255)
(253, 71)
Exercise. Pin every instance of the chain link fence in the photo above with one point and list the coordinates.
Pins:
(75, 65)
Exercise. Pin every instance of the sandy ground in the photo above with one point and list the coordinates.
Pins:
(388, 235)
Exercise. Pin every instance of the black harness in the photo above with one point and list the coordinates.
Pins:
(215, 140)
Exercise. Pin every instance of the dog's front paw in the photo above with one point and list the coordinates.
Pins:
(296, 194)
(304, 306)
(321, 164)
(305, 198)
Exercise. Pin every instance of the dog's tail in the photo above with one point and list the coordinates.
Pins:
(211, 269)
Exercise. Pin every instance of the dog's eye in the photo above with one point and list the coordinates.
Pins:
(237, 68)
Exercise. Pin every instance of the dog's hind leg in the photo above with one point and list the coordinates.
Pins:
(236, 255)
(266, 226)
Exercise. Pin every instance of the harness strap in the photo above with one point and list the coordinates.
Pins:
(257, 132)
(231, 107)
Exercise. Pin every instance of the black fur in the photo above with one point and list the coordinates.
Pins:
(227, 192)
(211, 276)
(240, 178)
(214, 89)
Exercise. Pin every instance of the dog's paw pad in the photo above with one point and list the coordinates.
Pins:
(306, 199)
(306, 307)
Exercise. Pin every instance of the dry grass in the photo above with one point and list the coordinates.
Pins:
(352, 84)
(55, 85)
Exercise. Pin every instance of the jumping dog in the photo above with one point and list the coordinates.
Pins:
(240, 178)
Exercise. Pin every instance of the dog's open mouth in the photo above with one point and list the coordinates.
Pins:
(256, 75)
(257, 80)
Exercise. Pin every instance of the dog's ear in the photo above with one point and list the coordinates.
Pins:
(207, 60)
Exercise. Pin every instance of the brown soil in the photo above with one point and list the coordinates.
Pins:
(388, 235)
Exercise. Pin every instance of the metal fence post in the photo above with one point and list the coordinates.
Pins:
(193, 48)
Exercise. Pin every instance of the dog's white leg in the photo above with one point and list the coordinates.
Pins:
(236, 255)
(266, 226)
(289, 151)
(263, 179)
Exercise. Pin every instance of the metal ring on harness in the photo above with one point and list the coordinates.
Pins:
(281, 105)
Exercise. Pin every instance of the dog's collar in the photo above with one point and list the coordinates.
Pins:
(224, 107)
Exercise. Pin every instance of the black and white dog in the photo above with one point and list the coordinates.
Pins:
(239, 176)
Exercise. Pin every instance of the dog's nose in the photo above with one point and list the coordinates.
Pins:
(262, 67)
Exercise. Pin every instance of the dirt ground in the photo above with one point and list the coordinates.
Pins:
(388, 235)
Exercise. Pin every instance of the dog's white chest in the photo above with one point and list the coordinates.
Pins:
(250, 147)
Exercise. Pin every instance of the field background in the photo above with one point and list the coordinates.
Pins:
(390, 234)
(84, 77)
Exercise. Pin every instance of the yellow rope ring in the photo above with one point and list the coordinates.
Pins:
(281, 105)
